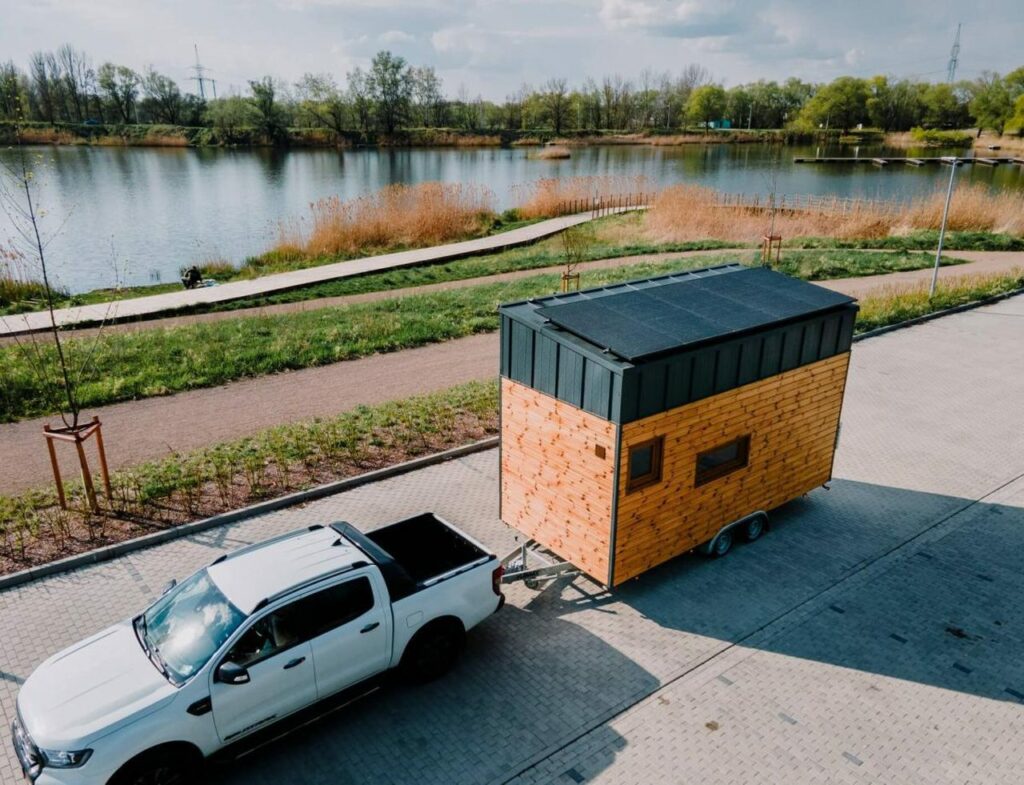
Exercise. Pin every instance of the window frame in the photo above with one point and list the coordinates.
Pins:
(741, 461)
(652, 477)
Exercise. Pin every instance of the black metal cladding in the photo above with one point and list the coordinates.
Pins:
(552, 360)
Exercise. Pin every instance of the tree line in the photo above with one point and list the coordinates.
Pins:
(391, 95)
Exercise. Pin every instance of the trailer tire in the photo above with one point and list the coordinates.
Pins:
(754, 528)
(721, 545)
(433, 651)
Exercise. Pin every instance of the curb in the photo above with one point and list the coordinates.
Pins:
(234, 516)
(937, 315)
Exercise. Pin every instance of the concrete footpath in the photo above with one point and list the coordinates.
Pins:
(872, 636)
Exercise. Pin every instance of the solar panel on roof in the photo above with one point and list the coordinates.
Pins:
(638, 323)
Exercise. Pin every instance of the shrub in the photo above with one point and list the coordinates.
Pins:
(935, 137)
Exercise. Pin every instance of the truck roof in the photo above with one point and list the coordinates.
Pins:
(258, 572)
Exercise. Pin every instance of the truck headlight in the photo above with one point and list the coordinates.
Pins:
(65, 759)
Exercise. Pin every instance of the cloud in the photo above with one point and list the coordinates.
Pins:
(395, 37)
(686, 19)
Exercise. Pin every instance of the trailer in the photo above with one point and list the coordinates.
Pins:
(645, 419)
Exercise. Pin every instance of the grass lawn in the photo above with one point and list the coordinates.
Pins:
(146, 363)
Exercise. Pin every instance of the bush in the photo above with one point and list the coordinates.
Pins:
(934, 137)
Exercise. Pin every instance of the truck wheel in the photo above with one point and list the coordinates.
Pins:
(433, 652)
(721, 544)
(754, 528)
(162, 766)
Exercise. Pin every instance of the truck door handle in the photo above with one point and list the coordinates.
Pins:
(296, 661)
(371, 626)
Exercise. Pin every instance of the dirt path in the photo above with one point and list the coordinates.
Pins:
(136, 431)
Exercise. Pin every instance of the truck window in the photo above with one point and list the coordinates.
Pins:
(302, 620)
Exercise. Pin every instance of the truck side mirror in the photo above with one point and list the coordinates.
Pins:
(232, 673)
(170, 585)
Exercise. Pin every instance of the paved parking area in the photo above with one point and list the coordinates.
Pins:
(874, 635)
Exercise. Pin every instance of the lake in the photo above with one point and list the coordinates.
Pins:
(137, 215)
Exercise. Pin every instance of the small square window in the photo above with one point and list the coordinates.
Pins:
(645, 463)
(722, 460)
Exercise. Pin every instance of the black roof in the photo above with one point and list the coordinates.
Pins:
(674, 313)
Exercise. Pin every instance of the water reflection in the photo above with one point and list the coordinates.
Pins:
(151, 211)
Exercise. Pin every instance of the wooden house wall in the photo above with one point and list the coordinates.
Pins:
(792, 419)
(555, 488)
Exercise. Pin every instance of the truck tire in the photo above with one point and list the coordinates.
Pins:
(168, 765)
(433, 651)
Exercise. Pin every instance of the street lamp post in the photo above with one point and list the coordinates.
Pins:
(953, 164)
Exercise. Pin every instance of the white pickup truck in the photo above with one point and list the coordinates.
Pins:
(284, 628)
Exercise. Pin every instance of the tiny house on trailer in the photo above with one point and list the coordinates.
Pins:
(640, 419)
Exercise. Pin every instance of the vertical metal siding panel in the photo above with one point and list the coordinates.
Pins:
(703, 379)
(829, 336)
(596, 389)
(652, 389)
(506, 337)
(792, 343)
(615, 400)
(570, 376)
(846, 331)
(811, 342)
(677, 388)
(771, 354)
(750, 360)
(522, 354)
(727, 370)
(545, 365)
(630, 395)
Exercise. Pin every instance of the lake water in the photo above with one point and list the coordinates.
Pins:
(137, 215)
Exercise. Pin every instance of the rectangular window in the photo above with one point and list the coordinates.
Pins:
(645, 463)
(722, 460)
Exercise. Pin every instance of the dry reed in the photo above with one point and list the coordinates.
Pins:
(553, 153)
(546, 197)
(688, 212)
(397, 216)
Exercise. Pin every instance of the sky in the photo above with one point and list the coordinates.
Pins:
(492, 47)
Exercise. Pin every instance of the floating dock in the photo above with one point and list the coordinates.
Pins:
(885, 161)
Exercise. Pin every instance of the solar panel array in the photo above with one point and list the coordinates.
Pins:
(638, 323)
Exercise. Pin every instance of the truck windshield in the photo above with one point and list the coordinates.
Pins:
(186, 626)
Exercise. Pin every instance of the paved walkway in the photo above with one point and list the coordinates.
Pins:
(136, 431)
(279, 282)
(873, 636)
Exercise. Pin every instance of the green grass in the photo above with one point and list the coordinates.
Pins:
(160, 361)
(889, 308)
(825, 264)
(922, 240)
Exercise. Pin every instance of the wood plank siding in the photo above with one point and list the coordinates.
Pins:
(555, 488)
(791, 419)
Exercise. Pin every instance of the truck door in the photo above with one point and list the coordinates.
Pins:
(273, 667)
(351, 640)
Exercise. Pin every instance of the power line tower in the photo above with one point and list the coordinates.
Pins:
(954, 57)
(201, 77)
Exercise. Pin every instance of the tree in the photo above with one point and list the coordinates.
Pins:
(894, 106)
(271, 121)
(163, 99)
(321, 99)
(360, 98)
(707, 103)
(427, 96)
(120, 85)
(390, 86)
(230, 116)
(943, 107)
(840, 104)
(1016, 122)
(77, 75)
(556, 103)
(11, 94)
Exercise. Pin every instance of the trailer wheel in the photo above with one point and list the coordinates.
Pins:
(721, 545)
(754, 528)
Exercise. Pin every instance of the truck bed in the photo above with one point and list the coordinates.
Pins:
(426, 547)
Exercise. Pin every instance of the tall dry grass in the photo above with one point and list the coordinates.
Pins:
(409, 216)
(544, 198)
(689, 212)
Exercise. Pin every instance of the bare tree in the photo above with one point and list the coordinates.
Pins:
(556, 102)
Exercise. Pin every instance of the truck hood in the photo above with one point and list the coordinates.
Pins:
(91, 688)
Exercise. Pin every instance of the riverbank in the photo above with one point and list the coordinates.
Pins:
(155, 135)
